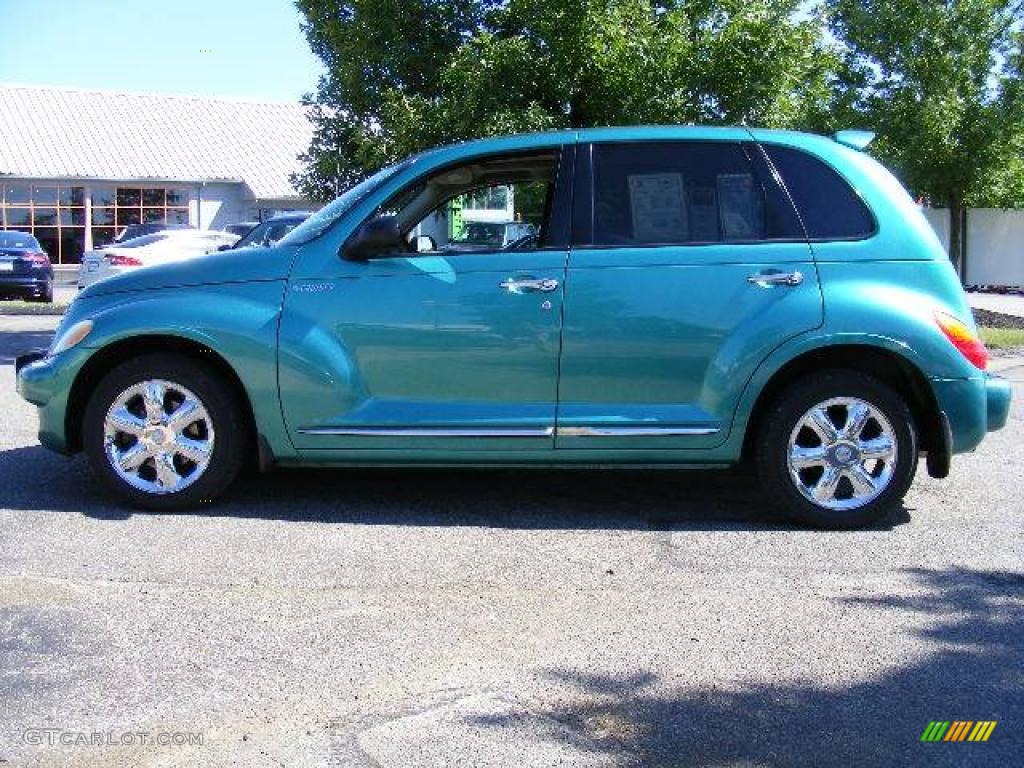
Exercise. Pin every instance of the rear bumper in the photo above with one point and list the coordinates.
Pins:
(974, 407)
(25, 285)
(998, 395)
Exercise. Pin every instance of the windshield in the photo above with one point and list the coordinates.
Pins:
(18, 240)
(268, 233)
(323, 219)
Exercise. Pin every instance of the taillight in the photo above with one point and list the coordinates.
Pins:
(122, 261)
(961, 337)
(38, 259)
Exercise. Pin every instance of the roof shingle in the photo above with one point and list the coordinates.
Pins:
(71, 133)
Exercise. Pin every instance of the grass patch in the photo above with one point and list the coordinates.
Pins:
(1002, 338)
(31, 308)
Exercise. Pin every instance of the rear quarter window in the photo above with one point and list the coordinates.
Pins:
(684, 192)
(828, 205)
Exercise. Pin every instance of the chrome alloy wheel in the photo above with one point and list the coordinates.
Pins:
(842, 453)
(158, 436)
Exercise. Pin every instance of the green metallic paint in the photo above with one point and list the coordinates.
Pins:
(683, 326)
(422, 342)
(388, 338)
(238, 321)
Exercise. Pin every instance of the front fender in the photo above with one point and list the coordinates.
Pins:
(238, 321)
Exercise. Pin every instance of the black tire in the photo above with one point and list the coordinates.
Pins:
(772, 448)
(231, 431)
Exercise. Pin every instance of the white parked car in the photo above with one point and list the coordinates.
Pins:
(158, 248)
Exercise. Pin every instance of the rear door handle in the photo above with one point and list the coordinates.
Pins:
(768, 279)
(529, 285)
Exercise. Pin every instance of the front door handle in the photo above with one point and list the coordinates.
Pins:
(529, 285)
(768, 279)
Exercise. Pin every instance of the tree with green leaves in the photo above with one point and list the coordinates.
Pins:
(405, 75)
(940, 83)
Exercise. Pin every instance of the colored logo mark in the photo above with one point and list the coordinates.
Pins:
(958, 730)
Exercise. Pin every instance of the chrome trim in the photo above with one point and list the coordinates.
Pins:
(428, 432)
(528, 285)
(511, 432)
(770, 278)
(158, 437)
(634, 431)
(821, 452)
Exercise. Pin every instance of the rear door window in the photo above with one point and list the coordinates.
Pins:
(828, 205)
(670, 193)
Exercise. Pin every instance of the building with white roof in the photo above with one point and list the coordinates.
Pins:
(77, 166)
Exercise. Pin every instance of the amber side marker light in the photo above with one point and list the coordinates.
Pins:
(961, 337)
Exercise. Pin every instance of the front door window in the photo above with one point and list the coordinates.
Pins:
(451, 342)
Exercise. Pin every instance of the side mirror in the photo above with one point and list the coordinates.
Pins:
(375, 237)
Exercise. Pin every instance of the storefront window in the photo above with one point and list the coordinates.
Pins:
(17, 194)
(18, 218)
(102, 196)
(102, 235)
(44, 195)
(128, 216)
(127, 197)
(55, 213)
(43, 217)
(149, 205)
(71, 197)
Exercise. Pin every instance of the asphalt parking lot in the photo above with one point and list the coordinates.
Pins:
(502, 618)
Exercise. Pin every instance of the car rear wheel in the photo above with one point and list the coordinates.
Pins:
(838, 450)
(164, 432)
(46, 297)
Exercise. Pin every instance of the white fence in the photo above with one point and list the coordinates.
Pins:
(995, 244)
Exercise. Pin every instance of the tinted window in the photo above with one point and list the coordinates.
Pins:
(683, 192)
(18, 240)
(829, 207)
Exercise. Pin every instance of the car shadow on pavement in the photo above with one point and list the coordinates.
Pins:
(972, 624)
(36, 479)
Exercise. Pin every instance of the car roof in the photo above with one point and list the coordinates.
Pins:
(552, 139)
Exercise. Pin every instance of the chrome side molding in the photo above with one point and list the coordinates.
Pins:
(634, 431)
(429, 432)
(498, 432)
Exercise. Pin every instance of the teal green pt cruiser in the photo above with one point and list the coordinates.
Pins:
(675, 297)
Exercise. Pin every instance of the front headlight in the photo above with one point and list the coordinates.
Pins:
(70, 337)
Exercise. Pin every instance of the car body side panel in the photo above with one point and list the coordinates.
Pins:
(879, 292)
(425, 343)
(238, 321)
(668, 337)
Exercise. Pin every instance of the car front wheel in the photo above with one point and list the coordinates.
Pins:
(837, 450)
(164, 432)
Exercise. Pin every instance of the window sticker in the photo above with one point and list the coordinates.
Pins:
(739, 207)
(658, 208)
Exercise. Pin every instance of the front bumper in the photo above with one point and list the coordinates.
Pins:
(46, 383)
(974, 407)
